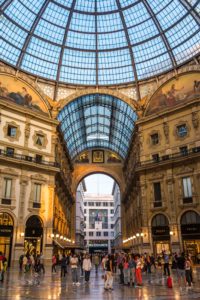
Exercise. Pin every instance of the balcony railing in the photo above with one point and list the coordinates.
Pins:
(164, 158)
(29, 159)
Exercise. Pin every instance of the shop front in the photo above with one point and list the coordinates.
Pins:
(6, 235)
(190, 231)
(160, 234)
(33, 235)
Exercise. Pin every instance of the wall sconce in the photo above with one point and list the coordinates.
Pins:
(134, 237)
(65, 238)
(22, 234)
(137, 234)
(57, 235)
(142, 234)
(52, 235)
(61, 237)
(171, 233)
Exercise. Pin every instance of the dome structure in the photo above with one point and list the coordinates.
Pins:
(99, 42)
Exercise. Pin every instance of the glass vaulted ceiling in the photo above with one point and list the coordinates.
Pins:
(100, 42)
(97, 121)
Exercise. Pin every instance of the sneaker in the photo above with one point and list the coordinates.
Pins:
(106, 289)
(111, 289)
(78, 283)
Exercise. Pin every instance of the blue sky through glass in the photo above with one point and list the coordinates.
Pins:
(99, 48)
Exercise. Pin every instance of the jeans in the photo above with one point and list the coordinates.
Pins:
(125, 276)
(42, 268)
(96, 268)
(109, 276)
(81, 269)
(53, 268)
(166, 267)
(63, 271)
(74, 275)
(87, 275)
(131, 275)
(121, 276)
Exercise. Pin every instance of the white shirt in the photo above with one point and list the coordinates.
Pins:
(74, 261)
(87, 266)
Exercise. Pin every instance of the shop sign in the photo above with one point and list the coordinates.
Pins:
(6, 230)
(190, 229)
(164, 230)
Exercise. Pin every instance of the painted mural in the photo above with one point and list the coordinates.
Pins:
(83, 158)
(113, 158)
(184, 88)
(16, 91)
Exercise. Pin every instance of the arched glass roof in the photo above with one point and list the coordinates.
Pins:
(97, 121)
(99, 42)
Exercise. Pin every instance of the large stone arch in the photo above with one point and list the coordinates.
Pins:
(90, 90)
(81, 171)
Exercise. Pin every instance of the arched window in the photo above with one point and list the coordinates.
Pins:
(190, 217)
(159, 220)
(34, 222)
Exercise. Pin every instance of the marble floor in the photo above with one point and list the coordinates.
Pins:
(20, 286)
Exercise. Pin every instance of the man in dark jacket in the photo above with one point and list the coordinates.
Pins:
(180, 261)
(63, 265)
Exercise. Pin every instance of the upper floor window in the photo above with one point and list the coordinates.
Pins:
(85, 203)
(187, 190)
(98, 203)
(105, 203)
(157, 194)
(90, 203)
(154, 139)
(39, 139)
(98, 233)
(105, 233)
(182, 130)
(90, 233)
(112, 233)
(155, 157)
(37, 192)
(10, 151)
(7, 188)
(184, 150)
(111, 204)
(11, 131)
(38, 158)
(112, 211)
(85, 211)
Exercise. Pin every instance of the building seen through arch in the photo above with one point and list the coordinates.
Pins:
(112, 87)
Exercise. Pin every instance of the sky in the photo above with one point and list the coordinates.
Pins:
(99, 184)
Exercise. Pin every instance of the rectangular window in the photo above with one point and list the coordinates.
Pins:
(39, 139)
(7, 188)
(111, 204)
(184, 150)
(11, 131)
(112, 233)
(182, 130)
(98, 203)
(187, 190)
(90, 203)
(37, 192)
(155, 157)
(90, 233)
(112, 226)
(85, 218)
(10, 151)
(154, 139)
(38, 158)
(157, 194)
(112, 211)
(85, 203)
(105, 203)
(98, 233)
(105, 233)
(85, 211)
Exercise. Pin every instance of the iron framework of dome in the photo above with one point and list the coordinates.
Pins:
(97, 121)
(99, 42)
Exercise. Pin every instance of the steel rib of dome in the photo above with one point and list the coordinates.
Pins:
(99, 42)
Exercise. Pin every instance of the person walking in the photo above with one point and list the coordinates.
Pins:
(131, 270)
(109, 273)
(139, 266)
(53, 268)
(120, 266)
(87, 266)
(96, 262)
(74, 269)
(180, 260)
(166, 264)
(21, 262)
(42, 262)
(63, 265)
(1, 267)
(125, 269)
(188, 271)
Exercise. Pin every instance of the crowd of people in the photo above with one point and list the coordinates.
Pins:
(127, 268)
